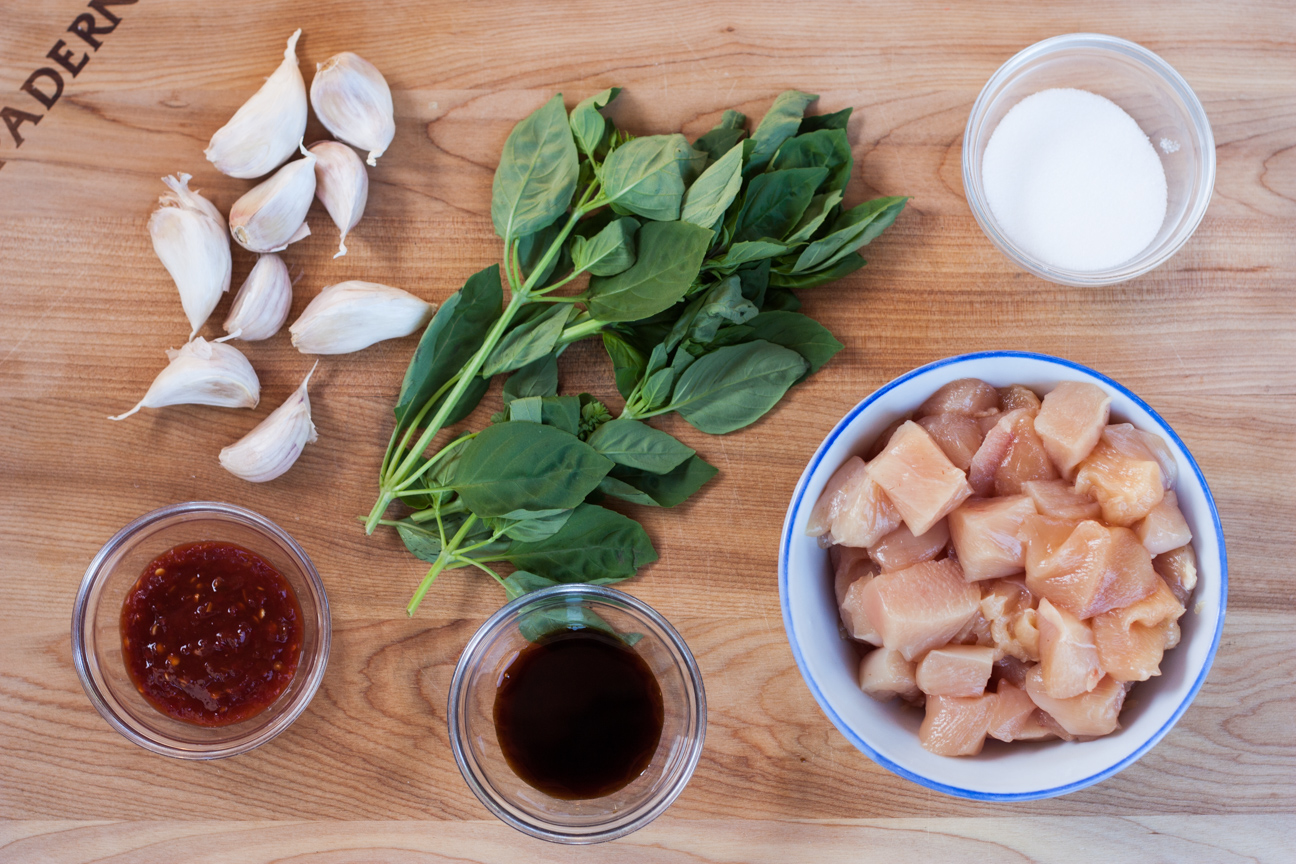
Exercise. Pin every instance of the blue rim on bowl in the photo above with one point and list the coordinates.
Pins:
(791, 522)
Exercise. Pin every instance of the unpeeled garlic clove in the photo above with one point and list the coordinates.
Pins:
(261, 306)
(351, 98)
(341, 185)
(353, 315)
(262, 134)
(272, 214)
(202, 373)
(274, 445)
(189, 237)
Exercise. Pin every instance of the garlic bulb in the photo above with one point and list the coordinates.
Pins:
(341, 185)
(272, 214)
(261, 306)
(353, 315)
(262, 134)
(202, 373)
(274, 445)
(189, 237)
(351, 98)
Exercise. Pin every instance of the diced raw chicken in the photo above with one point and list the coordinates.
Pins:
(1046, 720)
(956, 725)
(853, 510)
(975, 632)
(849, 564)
(921, 607)
(1096, 569)
(1012, 670)
(957, 435)
(853, 616)
(955, 670)
(1164, 528)
(1161, 450)
(918, 478)
(1178, 568)
(1002, 604)
(1025, 630)
(985, 532)
(1068, 655)
(901, 549)
(884, 674)
(986, 423)
(1015, 717)
(1070, 422)
(1132, 640)
(1090, 714)
(1059, 498)
(1041, 536)
(1010, 455)
(880, 442)
(1123, 475)
(969, 396)
(1018, 396)
(833, 497)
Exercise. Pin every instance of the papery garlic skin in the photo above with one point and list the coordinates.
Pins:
(341, 185)
(351, 98)
(353, 315)
(272, 214)
(202, 373)
(264, 131)
(261, 306)
(189, 238)
(274, 445)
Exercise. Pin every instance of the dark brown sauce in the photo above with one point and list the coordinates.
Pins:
(578, 714)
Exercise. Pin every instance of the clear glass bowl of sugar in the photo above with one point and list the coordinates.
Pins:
(1147, 89)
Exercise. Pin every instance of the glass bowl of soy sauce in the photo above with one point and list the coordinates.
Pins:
(577, 714)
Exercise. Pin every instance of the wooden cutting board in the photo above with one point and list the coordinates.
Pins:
(366, 774)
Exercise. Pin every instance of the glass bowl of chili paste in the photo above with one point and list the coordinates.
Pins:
(201, 630)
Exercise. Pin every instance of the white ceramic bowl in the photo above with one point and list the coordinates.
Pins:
(887, 732)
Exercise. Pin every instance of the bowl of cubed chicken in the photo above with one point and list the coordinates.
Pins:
(1003, 576)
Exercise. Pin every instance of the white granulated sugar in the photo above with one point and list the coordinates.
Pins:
(1072, 179)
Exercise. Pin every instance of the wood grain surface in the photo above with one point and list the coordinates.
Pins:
(86, 310)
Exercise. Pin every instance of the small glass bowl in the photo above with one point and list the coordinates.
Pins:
(477, 750)
(96, 628)
(1150, 91)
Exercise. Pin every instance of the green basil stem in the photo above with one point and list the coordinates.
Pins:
(579, 331)
(445, 557)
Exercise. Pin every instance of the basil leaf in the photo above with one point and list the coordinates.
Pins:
(571, 615)
(513, 465)
(587, 124)
(734, 386)
(561, 412)
(815, 122)
(534, 528)
(826, 148)
(747, 251)
(422, 541)
(529, 340)
(842, 267)
(628, 363)
(780, 123)
(610, 485)
(608, 252)
(801, 333)
(646, 175)
(754, 282)
(532, 249)
(596, 546)
(723, 303)
(528, 409)
(669, 257)
(709, 197)
(664, 490)
(471, 397)
(813, 218)
(851, 230)
(537, 172)
(449, 342)
(780, 299)
(727, 133)
(775, 201)
(638, 445)
(537, 378)
(657, 388)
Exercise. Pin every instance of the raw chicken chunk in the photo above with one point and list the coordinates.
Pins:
(1123, 475)
(956, 725)
(985, 532)
(1018, 396)
(1164, 528)
(853, 510)
(880, 443)
(1089, 714)
(1059, 498)
(885, 674)
(1041, 536)
(955, 670)
(833, 497)
(969, 396)
(1068, 655)
(1015, 717)
(957, 435)
(1003, 603)
(1161, 450)
(1012, 670)
(1131, 641)
(1010, 455)
(853, 616)
(849, 564)
(1096, 569)
(901, 549)
(921, 607)
(918, 478)
(1070, 422)
(1178, 568)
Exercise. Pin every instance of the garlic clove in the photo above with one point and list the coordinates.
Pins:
(202, 373)
(272, 214)
(274, 445)
(189, 238)
(261, 306)
(353, 315)
(341, 185)
(351, 98)
(264, 131)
